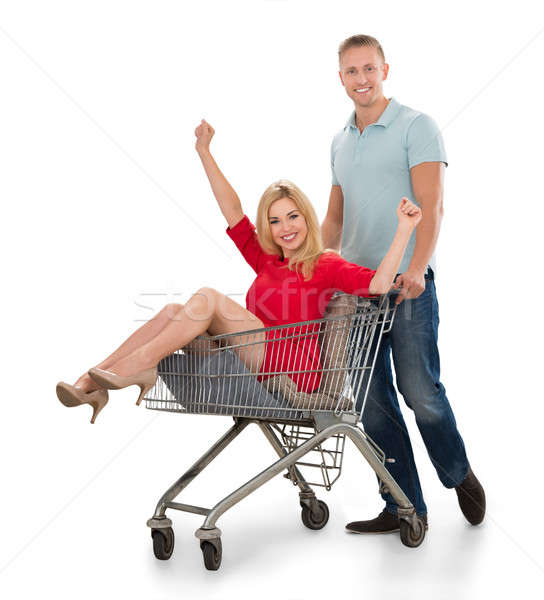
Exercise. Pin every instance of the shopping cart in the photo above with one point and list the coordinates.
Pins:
(307, 430)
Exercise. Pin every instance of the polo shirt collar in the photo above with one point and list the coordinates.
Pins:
(388, 115)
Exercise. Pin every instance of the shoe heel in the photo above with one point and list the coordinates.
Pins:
(97, 405)
(144, 388)
(70, 396)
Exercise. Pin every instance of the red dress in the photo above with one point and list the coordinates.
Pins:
(279, 296)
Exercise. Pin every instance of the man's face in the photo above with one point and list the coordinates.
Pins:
(362, 73)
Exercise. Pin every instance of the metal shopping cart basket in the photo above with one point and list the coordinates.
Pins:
(214, 376)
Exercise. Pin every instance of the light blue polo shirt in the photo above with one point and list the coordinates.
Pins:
(373, 170)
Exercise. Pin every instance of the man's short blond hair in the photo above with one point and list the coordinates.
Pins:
(358, 41)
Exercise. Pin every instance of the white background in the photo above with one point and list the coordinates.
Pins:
(106, 211)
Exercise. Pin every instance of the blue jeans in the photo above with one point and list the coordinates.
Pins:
(413, 344)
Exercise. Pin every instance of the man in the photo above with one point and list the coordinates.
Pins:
(386, 151)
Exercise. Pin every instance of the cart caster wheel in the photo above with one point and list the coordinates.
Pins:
(315, 520)
(163, 543)
(412, 537)
(212, 553)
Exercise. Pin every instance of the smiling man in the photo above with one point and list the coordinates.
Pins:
(385, 151)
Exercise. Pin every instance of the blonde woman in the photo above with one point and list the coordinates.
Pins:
(295, 280)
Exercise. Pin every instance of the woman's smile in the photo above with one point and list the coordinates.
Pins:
(284, 214)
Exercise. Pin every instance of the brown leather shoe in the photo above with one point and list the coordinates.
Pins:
(385, 522)
(471, 497)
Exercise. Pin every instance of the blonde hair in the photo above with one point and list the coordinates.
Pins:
(358, 41)
(307, 254)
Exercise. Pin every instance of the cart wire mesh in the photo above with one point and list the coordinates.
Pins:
(326, 457)
(318, 366)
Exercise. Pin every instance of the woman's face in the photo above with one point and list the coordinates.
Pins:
(287, 225)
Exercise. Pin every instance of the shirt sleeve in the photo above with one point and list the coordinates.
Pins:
(244, 236)
(424, 142)
(349, 277)
(334, 180)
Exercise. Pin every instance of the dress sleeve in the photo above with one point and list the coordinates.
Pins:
(347, 276)
(244, 236)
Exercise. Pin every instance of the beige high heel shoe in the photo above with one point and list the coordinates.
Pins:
(71, 395)
(144, 379)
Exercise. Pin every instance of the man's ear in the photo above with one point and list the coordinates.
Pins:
(340, 75)
(385, 70)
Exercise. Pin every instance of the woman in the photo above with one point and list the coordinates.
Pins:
(295, 280)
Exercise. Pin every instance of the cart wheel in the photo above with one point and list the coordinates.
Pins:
(315, 520)
(212, 553)
(163, 542)
(412, 537)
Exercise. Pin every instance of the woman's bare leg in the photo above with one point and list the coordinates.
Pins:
(207, 310)
(141, 336)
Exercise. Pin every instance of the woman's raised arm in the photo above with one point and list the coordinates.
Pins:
(409, 216)
(226, 197)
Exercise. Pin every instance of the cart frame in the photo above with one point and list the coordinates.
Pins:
(315, 514)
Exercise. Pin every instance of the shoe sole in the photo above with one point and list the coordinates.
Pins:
(377, 532)
(372, 532)
(66, 397)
